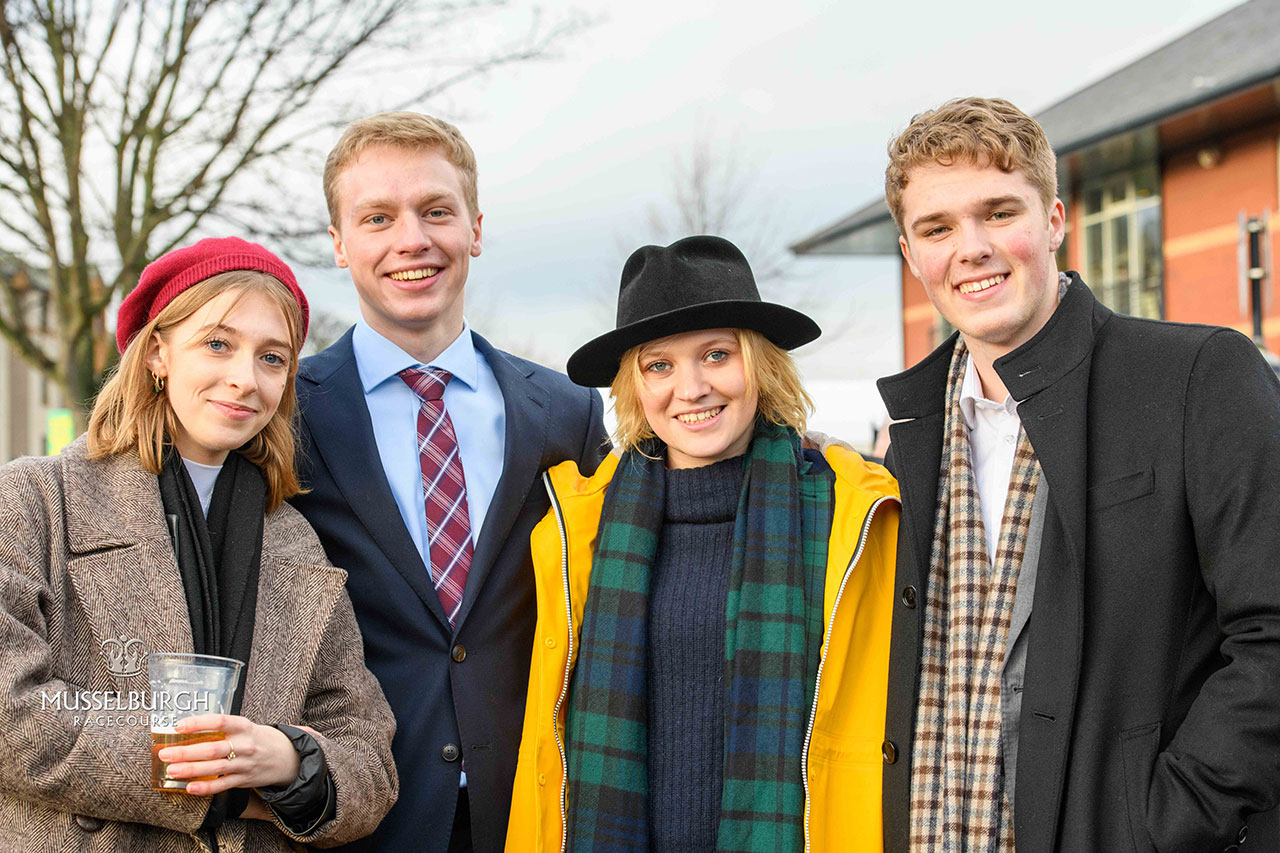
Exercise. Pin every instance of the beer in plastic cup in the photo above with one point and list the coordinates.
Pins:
(186, 685)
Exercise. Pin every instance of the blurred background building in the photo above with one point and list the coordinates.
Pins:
(1170, 172)
(22, 394)
(27, 400)
(764, 127)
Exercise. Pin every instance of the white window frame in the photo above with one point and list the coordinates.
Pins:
(1130, 206)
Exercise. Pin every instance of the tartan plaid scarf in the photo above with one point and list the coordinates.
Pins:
(772, 641)
(958, 802)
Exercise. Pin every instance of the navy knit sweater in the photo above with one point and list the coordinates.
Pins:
(688, 585)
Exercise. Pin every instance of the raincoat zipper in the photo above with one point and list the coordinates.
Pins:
(564, 688)
(817, 685)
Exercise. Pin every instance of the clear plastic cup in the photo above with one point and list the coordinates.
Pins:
(186, 685)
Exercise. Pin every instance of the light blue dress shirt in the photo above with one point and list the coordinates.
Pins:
(474, 403)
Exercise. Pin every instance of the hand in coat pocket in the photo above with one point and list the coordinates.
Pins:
(1139, 747)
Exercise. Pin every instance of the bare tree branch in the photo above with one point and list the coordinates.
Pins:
(17, 332)
(712, 191)
(130, 127)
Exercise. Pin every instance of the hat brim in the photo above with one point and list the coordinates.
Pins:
(596, 362)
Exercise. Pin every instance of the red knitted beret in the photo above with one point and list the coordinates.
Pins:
(166, 277)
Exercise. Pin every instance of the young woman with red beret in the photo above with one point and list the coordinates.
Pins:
(165, 530)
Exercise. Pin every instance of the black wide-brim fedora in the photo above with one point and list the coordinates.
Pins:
(696, 283)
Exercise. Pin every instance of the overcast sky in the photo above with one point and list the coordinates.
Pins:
(574, 153)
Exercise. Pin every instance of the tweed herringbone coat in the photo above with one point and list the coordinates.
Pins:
(86, 568)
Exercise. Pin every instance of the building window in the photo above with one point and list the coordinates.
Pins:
(1120, 241)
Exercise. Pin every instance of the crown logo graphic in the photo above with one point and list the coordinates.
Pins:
(124, 656)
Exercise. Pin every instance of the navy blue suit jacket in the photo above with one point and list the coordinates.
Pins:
(456, 694)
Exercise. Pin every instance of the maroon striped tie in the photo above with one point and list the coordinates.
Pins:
(444, 488)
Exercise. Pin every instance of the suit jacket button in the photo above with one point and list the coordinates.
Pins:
(909, 596)
(890, 751)
(89, 824)
(458, 653)
(450, 752)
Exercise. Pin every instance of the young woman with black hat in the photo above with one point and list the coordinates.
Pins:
(165, 530)
(711, 653)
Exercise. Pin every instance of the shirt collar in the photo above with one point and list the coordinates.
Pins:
(971, 397)
(378, 359)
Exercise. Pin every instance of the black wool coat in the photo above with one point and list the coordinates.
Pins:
(1151, 705)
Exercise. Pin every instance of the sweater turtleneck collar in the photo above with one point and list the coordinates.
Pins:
(704, 495)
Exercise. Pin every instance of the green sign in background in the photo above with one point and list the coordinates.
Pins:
(60, 430)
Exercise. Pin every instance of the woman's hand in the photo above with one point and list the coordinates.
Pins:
(251, 756)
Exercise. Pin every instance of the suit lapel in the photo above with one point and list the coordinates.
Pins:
(284, 644)
(917, 451)
(525, 404)
(342, 437)
(1055, 422)
(915, 398)
(121, 564)
(1049, 375)
(138, 607)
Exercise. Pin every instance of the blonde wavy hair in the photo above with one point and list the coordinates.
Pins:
(769, 370)
(130, 416)
(408, 131)
(972, 130)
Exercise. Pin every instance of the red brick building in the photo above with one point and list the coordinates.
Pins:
(1163, 166)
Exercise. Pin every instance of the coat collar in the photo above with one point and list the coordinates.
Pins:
(113, 502)
(319, 368)
(917, 392)
(859, 485)
(1048, 376)
(110, 502)
(1057, 349)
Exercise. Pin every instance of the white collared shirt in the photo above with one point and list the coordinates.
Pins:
(993, 441)
(475, 406)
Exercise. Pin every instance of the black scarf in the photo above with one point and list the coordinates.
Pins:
(218, 558)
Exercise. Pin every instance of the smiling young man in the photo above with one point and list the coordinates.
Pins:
(422, 444)
(1087, 642)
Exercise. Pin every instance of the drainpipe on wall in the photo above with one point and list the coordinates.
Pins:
(1255, 273)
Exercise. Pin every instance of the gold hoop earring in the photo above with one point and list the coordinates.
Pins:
(157, 382)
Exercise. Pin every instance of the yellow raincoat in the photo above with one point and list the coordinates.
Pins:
(843, 746)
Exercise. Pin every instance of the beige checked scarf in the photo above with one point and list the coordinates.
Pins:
(958, 802)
